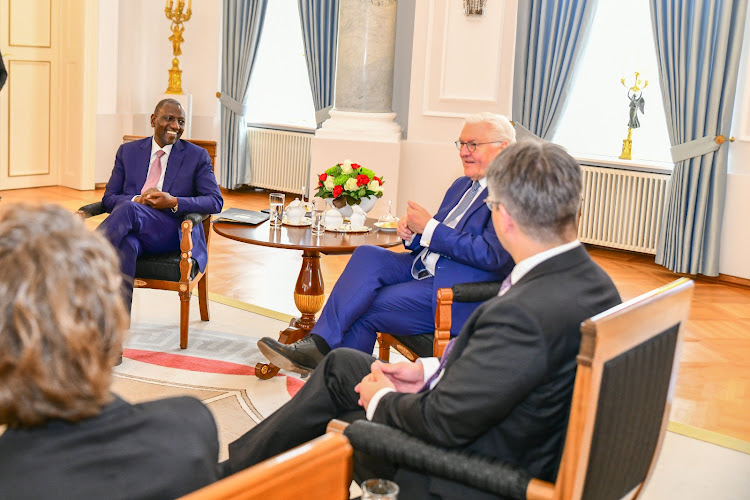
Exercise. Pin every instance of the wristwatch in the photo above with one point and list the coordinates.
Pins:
(174, 208)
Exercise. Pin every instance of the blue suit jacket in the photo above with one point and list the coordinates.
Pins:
(189, 177)
(469, 252)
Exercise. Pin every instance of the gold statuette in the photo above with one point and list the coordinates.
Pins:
(178, 17)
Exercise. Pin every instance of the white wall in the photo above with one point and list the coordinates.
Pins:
(460, 65)
(135, 55)
(735, 237)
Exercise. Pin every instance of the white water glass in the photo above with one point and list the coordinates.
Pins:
(318, 216)
(379, 489)
(276, 211)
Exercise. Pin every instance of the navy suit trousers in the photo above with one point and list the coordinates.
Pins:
(376, 293)
(135, 229)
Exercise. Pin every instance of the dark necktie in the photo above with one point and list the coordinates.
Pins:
(505, 285)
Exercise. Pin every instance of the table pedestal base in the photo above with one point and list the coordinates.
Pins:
(308, 297)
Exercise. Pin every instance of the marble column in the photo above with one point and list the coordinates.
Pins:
(366, 45)
(362, 125)
(364, 72)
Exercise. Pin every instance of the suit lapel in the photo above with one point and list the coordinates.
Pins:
(452, 198)
(142, 165)
(173, 165)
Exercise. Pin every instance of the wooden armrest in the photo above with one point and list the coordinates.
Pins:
(442, 321)
(91, 210)
(337, 425)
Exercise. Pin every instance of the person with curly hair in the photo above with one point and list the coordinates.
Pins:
(62, 319)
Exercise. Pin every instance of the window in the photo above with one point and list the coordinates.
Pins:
(280, 92)
(594, 121)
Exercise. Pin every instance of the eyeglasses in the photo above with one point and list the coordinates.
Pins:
(471, 145)
(491, 203)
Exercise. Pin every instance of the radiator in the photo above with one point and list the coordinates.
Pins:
(280, 159)
(622, 209)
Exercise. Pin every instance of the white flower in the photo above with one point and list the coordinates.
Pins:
(346, 167)
(351, 184)
(328, 183)
(375, 186)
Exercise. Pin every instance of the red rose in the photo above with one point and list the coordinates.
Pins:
(355, 166)
(376, 178)
(337, 190)
(323, 177)
(362, 180)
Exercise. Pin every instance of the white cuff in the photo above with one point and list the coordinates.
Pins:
(134, 197)
(429, 365)
(429, 228)
(376, 399)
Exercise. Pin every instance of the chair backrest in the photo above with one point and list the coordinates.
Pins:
(209, 146)
(627, 368)
(321, 468)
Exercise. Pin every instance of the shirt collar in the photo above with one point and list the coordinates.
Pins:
(522, 268)
(155, 147)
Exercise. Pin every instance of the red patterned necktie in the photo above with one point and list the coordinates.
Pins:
(154, 173)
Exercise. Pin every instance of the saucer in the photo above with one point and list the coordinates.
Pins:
(306, 221)
(347, 228)
(383, 227)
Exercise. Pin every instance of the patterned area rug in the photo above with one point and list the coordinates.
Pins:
(218, 367)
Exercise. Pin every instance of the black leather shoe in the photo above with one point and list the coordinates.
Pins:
(300, 357)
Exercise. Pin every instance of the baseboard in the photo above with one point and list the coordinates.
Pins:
(722, 279)
(100, 185)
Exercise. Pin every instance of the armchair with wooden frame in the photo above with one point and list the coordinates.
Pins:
(627, 368)
(433, 344)
(321, 468)
(175, 271)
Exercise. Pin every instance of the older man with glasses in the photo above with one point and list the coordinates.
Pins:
(384, 291)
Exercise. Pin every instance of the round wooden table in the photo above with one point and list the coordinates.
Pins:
(309, 290)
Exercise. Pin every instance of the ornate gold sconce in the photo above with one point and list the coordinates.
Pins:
(474, 7)
(177, 17)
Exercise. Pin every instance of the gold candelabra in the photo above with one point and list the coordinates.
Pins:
(178, 17)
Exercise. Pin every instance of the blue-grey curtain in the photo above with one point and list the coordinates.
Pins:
(242, 24)
(320, 30)
(549, 35)
(698, 44)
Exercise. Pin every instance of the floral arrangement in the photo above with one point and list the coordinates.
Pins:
(347, 183)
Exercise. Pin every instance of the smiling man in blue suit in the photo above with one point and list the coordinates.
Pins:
(154, 183)
(384, 291)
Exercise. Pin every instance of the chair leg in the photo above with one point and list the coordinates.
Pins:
(384, 350)
(184, 317)
(203, 297)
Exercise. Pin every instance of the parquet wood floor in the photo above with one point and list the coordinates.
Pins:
(713, 387)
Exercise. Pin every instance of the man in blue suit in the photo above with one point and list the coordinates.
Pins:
(154, 183)
(384, 291)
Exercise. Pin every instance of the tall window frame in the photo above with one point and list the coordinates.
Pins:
(594, 121)
(279, 93)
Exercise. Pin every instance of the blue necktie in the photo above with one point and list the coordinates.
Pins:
(463, 205)
(418, 270)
